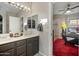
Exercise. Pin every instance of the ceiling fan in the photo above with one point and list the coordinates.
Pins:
(68, 9)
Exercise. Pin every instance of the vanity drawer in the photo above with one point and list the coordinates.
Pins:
(21, 49)
(7, 46)
(21, 42)
(8, 53)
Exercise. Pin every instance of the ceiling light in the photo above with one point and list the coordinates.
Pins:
(68, 12)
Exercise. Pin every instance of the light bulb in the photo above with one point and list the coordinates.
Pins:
(43, 21)
(18, 4)
(68, 12)
(25, 7)
(25, 23)
(29, 9)
(21, 6)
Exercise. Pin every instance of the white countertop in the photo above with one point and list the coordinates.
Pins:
(12, 39)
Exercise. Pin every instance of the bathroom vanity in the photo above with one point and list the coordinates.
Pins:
(12, 24)
(19, 46)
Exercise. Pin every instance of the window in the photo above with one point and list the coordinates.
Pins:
(73, 25)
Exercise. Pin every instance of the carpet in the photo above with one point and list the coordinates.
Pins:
(61, 49)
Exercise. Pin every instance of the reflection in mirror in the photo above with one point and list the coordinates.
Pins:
(29, 22)
(12, 16)
(14, 24)
(32, 22)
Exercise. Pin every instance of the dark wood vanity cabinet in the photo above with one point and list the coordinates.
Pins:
(35, 45)
(26, 47)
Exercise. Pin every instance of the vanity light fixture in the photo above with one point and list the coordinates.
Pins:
(21, 7)
(18, 4)
(25, 8)
(43, 21)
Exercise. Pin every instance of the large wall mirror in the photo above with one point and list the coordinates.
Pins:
(12, 15)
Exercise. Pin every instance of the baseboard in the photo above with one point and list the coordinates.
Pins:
(42, 53)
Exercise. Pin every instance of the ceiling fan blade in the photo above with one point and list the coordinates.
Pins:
(75, 7)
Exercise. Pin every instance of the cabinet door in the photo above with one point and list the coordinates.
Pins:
(21, 47)
(21, 50)
(32, 46)
(29, 47)
(35, 45)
